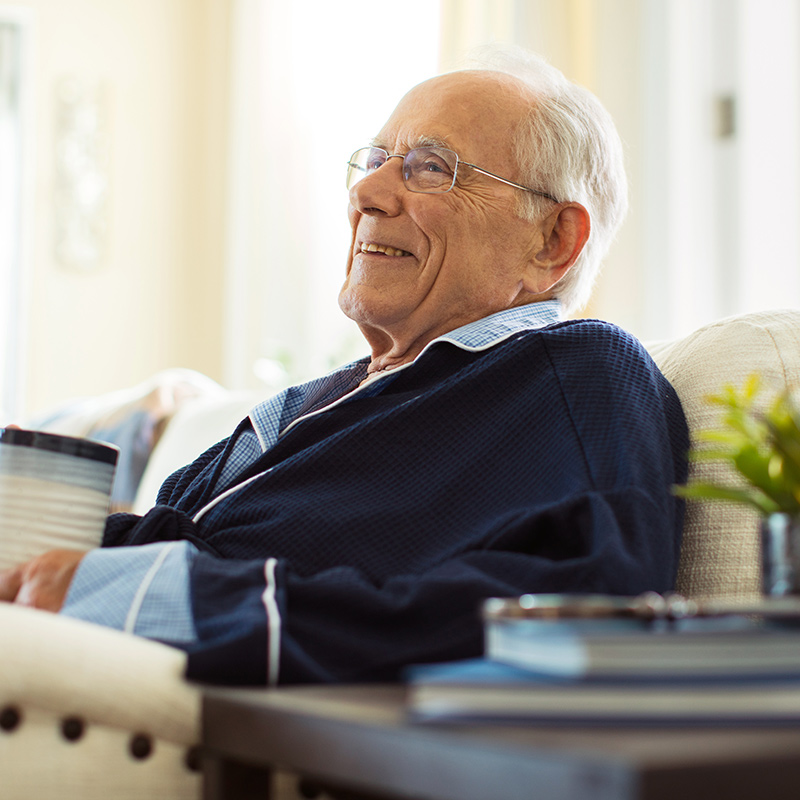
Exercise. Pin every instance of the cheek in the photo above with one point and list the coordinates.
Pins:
(353, 217)
(495, 228)
(480, 249)
(447, 227)
(467, 233)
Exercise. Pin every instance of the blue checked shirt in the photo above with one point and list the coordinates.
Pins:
(145, 590)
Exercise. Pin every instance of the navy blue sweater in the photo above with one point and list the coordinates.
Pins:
(543, 464)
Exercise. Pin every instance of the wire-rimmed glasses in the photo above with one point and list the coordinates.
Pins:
(427, 170)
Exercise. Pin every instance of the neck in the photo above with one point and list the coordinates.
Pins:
(392, 351)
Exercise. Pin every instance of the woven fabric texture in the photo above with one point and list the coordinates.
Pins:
(720, 556)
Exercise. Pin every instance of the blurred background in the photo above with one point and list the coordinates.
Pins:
(172, 171)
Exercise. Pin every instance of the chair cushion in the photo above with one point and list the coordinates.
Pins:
(721, 556)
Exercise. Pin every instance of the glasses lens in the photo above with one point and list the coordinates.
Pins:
(430, 169)
(363, 162)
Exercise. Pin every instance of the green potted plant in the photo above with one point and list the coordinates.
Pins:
(761, 442)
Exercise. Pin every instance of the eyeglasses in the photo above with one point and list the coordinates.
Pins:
(427, 170)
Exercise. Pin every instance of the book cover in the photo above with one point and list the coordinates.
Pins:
(485, 691)
(713, 648)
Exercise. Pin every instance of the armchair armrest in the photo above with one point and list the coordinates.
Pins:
(87, 711)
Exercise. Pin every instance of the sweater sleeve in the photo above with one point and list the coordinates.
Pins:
(261, 622)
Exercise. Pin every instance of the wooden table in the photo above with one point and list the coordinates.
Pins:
(357, 737)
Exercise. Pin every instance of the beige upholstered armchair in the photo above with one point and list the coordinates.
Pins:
(720, 557)
(87, 712)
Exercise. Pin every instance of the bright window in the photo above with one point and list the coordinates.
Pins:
(721, 194)
(305, 97)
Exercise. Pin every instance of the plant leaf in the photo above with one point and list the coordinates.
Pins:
(762, 447)
(709, 491)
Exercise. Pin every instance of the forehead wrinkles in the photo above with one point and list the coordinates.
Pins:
(404, 144)
(474, 114)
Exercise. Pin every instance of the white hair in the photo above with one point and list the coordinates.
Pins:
(567, 146)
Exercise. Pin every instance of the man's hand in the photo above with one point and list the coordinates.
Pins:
(43, 582)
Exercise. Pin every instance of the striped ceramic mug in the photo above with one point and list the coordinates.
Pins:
(54, 493)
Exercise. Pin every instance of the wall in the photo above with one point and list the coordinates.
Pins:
(155, 301)
(598, 45)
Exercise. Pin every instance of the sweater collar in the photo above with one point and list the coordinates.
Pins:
(281, 411)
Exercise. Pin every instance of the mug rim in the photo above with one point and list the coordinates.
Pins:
(60, 443)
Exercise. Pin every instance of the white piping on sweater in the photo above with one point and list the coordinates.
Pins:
(273, 623)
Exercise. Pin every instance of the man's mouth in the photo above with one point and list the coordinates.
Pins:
(370, 247)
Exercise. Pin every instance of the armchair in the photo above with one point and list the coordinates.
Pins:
(720, 555)
(88, 712)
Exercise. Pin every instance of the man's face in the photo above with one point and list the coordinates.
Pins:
(453, 257)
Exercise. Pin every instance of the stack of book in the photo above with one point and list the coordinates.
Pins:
(730, 670)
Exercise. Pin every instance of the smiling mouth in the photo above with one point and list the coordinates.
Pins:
(366, 247)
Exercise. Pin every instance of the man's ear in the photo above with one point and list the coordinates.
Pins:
(564, 233)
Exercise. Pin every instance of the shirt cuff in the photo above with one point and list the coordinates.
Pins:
(142, 590)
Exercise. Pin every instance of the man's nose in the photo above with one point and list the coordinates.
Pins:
(380, 191)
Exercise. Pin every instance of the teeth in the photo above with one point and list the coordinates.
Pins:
(385, 249)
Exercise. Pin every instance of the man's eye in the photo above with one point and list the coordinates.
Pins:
(436, 166)
(375, 161)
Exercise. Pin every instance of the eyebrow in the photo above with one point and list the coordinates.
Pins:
(419, 141)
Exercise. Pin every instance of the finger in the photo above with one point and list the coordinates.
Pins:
(46, 579)
(10, 582)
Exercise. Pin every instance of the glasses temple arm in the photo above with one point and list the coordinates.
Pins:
(510, 183)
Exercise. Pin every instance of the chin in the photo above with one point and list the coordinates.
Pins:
(353, 304)
(371, 309)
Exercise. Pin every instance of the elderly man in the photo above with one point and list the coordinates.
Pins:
(488, 447)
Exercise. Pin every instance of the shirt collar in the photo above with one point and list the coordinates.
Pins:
(491, 330)
(283, 409)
